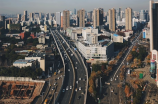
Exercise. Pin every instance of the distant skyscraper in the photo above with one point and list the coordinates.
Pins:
(81, 18)
(90, 15)
(61, 20)
(2, 21)
(75, 11)
(128, 16)
(153, 25)
(142, 15)
(2, 18)
(40, 15)
(119, 15)
(31, 16)
(66, 19)
(58, 18)
(18, 17)
(147, 15)
(112, 19)
(25, 15)
(98, 17)
(6, 23)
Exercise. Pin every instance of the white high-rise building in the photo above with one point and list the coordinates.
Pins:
(58, 18)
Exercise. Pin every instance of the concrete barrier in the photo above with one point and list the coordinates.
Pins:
(74, 77)
(86, 74)
(85, 97)
(64, 69)
(28, 79)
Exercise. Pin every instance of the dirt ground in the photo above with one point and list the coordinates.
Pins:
(19, 92)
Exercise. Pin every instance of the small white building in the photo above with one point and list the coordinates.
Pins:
(117, 38)
(40, 57)
(24, 63)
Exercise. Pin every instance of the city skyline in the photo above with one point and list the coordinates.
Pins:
(50, 6)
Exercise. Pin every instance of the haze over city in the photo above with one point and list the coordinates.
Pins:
(78, 51)
(50, 6)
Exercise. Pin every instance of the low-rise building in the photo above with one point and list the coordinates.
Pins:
(40, 57)
(6, 44)
(146, 33)
(117, 38)
(71, 30)
(101, 51)
(24, 63)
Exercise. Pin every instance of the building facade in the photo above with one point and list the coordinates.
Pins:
(98, 17)
(58, 18)
(40, 58)
(25, 15)
(61, 24)
(66, 19)
(116, 38)
(153, 7)
(153, 25)
(128, 15)
(112, 19)
(101, 51)
(18, 17)
(81, 18)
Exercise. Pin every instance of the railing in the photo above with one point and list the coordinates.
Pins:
(74, 78)
(85, 97)
(84, 67)
(63, 65)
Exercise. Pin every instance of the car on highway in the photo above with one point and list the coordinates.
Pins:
(76, 82)
(80, 79)
(79, 88)
(75, 67)
(53, 88)
(117, 75)
(63, 90)
(112, 90)
(115, 79)
(79, 97)
(111, 79)
(70, 87)
(68, 69)
(58, 78)
(55, 83)
(67, 88)
(76, 89)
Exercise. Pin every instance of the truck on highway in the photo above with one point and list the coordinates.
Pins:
(45, 102)
(107, 83)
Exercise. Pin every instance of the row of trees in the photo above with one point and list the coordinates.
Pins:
(137, 54)
(119, 46)
(23, 72)
(92, 88)
(122, 73)
(148, 59)
(10, 54)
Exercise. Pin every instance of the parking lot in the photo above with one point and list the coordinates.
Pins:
(150, 94)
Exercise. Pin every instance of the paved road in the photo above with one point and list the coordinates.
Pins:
(80, 73)
(113, 99)
(65, 96)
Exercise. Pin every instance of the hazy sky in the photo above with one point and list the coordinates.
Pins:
(51, 6)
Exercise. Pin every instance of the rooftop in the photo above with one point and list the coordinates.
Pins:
(115, 34)
(22, 61)
(42, 55)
